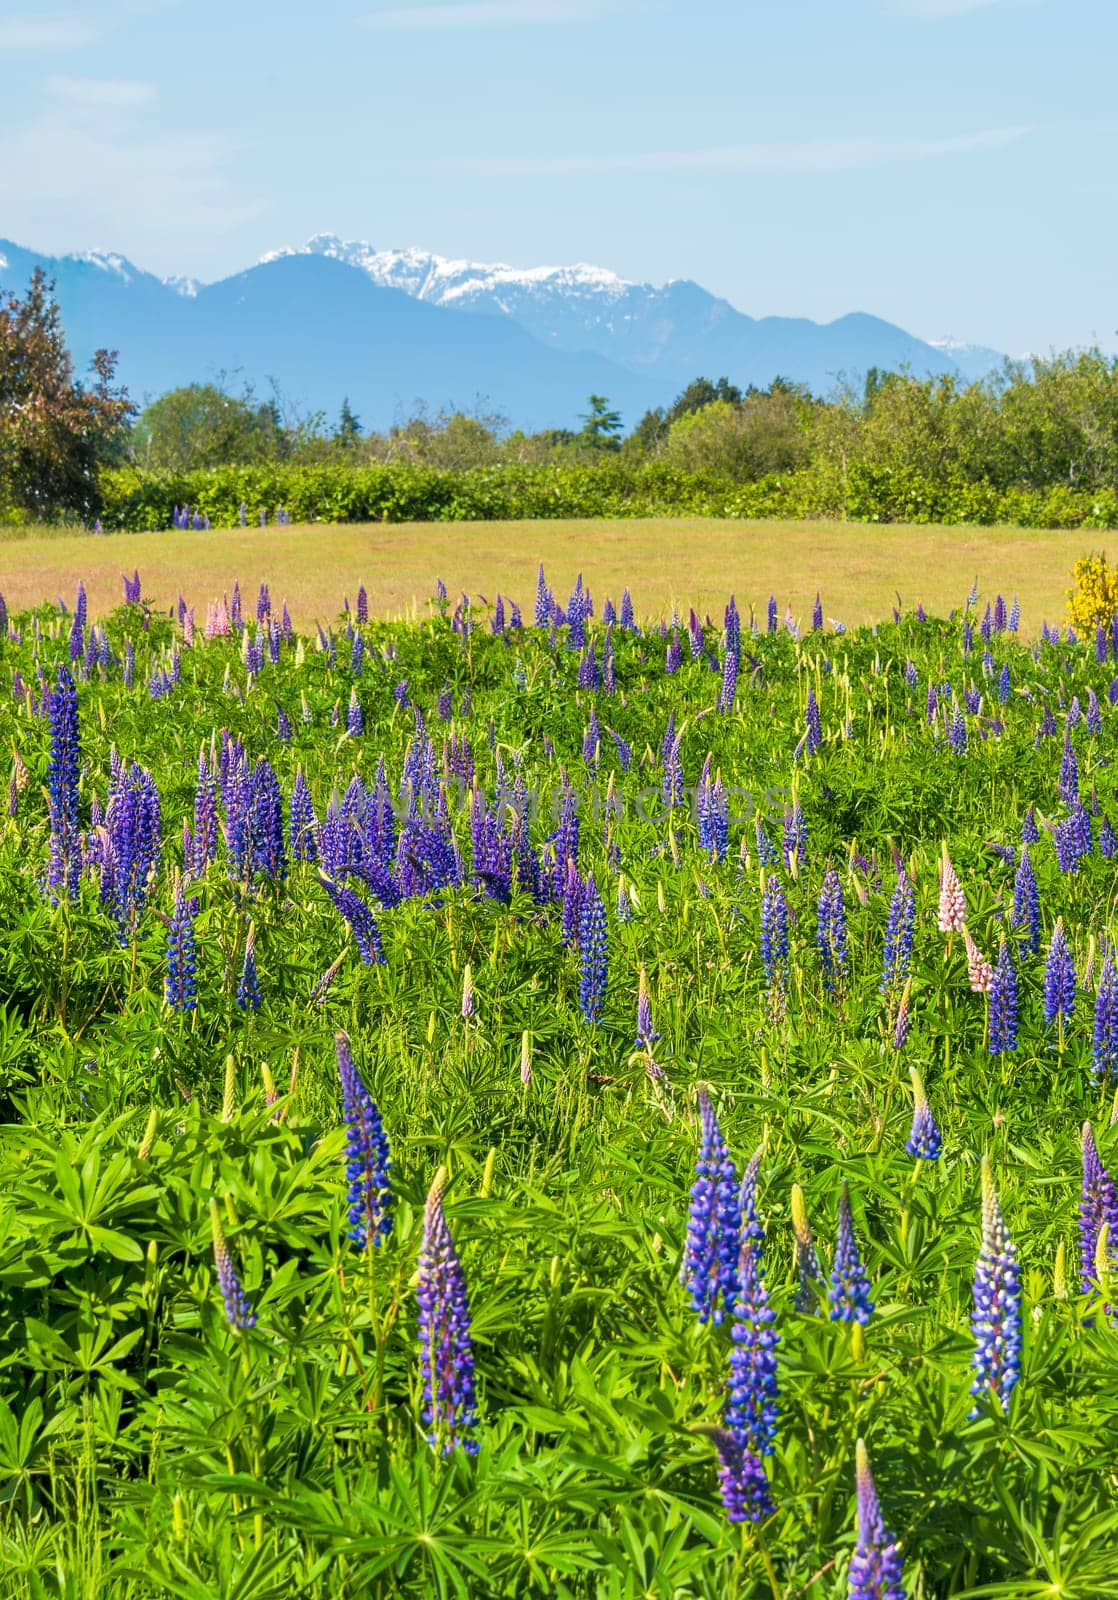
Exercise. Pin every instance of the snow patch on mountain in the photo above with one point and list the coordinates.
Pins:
(445, 280)
(108, 261)
(187, 287)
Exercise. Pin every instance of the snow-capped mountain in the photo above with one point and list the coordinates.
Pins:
(974, 361)
(674, 332)
(389, 329)
(445, 281)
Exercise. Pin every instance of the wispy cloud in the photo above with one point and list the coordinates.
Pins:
(82, 176)
(478, 14)
(803, 155)
(932, 10)
(35, 34)
(102, 94)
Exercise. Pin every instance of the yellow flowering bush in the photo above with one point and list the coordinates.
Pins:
(1095, 596)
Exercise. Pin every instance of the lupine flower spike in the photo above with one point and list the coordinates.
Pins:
(849, 1294)
(751, 1404)
(445, 1344)
(876, 1572)
(1098, 1208)
(238, 1306)
(952, 899)
(924, 1141)
(367, 1161)
(996, 1318)
(809, 1272)
(741, 1479)
(710, 1260)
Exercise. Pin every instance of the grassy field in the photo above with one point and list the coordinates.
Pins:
(859, 568)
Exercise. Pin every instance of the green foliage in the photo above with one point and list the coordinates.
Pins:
(202, 426)
(148, 1452)
(601, 426)
(55, 430)
(403, 492)
(746, 441)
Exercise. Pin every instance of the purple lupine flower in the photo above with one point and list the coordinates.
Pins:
(357, 655)
(742, 1483)
(1013, 622)
(899, 931)
(594, 952)
(996, 1318)
(770, 614)
(1098, 1204)
(834, 955)
(957, 730)
(1094, 716)
(774, 935)
(577, 613)
(1026, 904)
(589, 675)
(751, 1401)
(646, 1032)
(1068, 784)
(875, 1572)
(624, 904)
(1059, 978)
(264, 820)
(205, 816)
(849, 1294)
(248, 989)
(626, 616)
(238, 1306)
(360, 919)
(368, 1193)
(710, 1262)
(134, 842)
(572, 906)
(673, 659)
(64, 870)
(445, 1343)
(795, 834)
(303, 824)
(814, 727)
(924, 1141)
(732, 628)
(1003, 1004)
(182, 963)
(1104, 1035)
(767, 853)
(624, 753)
(355, 717)
(729, 687)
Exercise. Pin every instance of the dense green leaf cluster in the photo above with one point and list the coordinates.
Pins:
(404, 492)
(147, 1450)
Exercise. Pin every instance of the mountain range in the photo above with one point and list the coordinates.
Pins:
(389, 329)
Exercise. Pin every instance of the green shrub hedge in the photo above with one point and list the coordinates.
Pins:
(403, 493)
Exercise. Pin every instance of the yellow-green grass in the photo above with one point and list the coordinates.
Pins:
(859, 568)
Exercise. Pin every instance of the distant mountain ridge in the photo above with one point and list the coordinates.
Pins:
(388, 328)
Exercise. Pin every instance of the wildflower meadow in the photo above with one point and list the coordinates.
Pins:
(550, 1100)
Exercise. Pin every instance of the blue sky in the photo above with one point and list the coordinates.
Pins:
(947, 164)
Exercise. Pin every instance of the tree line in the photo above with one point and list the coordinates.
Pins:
(1034, 425)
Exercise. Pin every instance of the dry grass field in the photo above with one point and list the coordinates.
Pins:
(858, 568)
